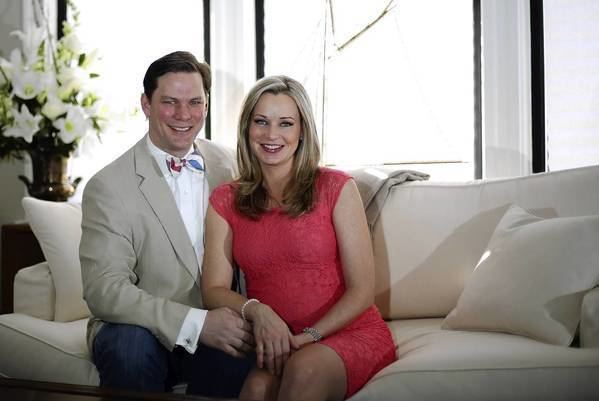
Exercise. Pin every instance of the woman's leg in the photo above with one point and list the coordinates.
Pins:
(315, 372)
(260, 385)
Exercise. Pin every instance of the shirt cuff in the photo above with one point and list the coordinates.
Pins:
(191, 329)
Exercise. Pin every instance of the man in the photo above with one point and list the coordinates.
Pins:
(142, 246)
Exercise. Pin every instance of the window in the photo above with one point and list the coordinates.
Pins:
(391, 82)
(129, 36)
(571, 50)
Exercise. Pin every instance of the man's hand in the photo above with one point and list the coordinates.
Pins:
(225, 330)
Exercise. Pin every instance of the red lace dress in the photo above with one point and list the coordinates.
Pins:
(293, 265)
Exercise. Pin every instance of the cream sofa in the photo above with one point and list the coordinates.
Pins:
(475, 314)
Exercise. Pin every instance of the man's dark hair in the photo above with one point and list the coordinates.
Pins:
(179, 61)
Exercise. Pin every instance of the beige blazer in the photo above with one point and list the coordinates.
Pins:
(138, 264)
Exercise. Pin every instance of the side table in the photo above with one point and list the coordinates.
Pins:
(19, 249)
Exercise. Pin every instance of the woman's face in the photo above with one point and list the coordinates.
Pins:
(275, 130)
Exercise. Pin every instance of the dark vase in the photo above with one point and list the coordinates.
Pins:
(50, 180)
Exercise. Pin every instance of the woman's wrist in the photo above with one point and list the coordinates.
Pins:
(245, 308)
(314, 334)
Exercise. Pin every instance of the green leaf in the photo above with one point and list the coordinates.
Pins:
(41, 50)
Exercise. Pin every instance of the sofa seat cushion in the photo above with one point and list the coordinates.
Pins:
(36, 349)
(437, 364)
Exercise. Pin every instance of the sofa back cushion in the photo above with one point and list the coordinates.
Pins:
(430, 236)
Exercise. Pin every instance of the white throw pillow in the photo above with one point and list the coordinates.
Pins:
(532, 278)
(34, 292)
(57, 227)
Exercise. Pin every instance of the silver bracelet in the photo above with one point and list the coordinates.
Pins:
(245, 304)
(315, 334)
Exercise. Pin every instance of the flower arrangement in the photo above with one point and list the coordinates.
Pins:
(45, 99)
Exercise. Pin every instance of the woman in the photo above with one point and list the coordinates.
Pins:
(300, 236)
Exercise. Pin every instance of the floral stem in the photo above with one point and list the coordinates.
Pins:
(39, 9)
(4, 74)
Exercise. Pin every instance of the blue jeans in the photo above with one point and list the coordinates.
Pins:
(131, 357)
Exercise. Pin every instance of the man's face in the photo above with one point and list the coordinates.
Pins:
(176, 112)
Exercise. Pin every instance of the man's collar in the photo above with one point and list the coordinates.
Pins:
(160, 155)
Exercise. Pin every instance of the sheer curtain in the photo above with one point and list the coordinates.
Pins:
(507, 145)
(233, 62)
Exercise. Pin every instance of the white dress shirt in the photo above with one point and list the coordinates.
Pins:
(190, 190)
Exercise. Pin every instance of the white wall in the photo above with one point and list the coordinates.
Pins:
(11, 189)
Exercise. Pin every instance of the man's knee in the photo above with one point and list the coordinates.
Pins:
(211, 372)
(129, 356)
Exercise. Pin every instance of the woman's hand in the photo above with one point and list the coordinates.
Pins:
(271, 336)
(300, 340)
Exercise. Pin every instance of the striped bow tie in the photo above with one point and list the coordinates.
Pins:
(193, 162)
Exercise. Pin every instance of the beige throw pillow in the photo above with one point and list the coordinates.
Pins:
(589, 320)
(57, 227)
(532, 278)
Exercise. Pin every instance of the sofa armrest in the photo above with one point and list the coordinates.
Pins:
(20, 249)
(589, 320)
(34, 292)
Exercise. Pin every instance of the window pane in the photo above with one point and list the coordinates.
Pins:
(129, 36)
(400, 91)
(571, 36)
(295, 46)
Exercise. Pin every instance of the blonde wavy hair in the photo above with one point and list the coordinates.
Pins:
(251, 198)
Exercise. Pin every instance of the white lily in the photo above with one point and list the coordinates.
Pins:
(45, 74)
(71, 79)
(74, 125)
(72, 43)
(91, 59)
(54, 106)
(16, 60)
(15, 63)
(26, 124)
(7, 69)
(31, 40)
(100, 111)
(28, 84)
